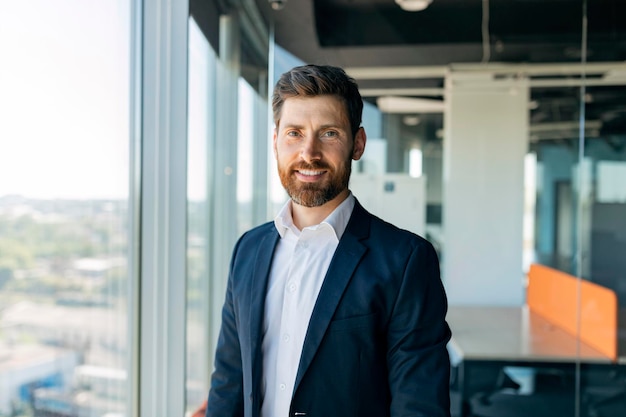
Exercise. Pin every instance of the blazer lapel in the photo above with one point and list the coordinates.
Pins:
(344, 262)
(257, 290)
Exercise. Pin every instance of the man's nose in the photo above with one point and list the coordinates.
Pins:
(311, 149)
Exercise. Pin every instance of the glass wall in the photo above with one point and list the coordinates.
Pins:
(580, 214)
(200, 124)
(600, 175)
(65, 208)
(227, 177)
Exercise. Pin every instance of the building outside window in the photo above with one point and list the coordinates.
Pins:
(64, 208)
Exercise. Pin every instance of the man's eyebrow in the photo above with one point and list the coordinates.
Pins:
(292, 126)
(322, 127)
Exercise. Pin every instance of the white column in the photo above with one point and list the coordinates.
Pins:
(486, 133)
(163, 248)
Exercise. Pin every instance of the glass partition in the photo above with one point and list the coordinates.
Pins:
(65, 209)
(554, 139)
(601, 221)
(200, 124)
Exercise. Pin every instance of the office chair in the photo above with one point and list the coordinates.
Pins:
(553, 396)
(606, 397)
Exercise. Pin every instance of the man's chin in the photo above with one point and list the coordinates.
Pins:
(308, 200)
(313, 198)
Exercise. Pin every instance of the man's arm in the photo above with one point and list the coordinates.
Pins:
(419, 366)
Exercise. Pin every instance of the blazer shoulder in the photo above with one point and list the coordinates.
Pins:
(259, 231)
(398, 238)
(251, 239)
(381, 229)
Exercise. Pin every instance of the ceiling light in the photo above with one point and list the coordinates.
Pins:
(613, 74)
(411, 120)
(277, 4)
(413, 5)
(404, 105)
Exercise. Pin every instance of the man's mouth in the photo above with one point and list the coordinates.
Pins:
(310, 172)
(310, 175)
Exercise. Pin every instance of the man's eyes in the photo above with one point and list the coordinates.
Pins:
(325, 134)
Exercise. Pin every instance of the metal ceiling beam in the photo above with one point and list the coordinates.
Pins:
(413, 72)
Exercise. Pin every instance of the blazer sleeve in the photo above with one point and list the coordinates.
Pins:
(226, 392)
(418, 361)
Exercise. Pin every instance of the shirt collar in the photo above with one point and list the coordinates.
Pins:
(337, 220)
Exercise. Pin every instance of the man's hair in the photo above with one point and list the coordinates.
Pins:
(317, 80)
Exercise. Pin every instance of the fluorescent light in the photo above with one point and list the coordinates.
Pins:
(393, 104)
(415, 162)
(413, 5)
(411, 120)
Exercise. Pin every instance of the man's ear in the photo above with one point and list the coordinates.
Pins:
(359, 144)
(274, 138)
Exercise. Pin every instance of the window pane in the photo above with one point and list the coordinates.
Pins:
(245, 156)
(64, 218)
(201, 74)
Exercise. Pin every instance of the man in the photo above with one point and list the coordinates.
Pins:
(329, 311)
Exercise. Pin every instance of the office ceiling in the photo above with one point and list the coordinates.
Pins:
(369, 34)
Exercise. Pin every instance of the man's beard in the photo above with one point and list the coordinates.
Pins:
(318, 193)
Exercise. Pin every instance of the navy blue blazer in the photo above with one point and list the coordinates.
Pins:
(376, 342)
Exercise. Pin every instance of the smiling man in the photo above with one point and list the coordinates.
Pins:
(314, 146)
(329, 310)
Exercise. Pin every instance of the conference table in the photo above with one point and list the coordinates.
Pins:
(494, 337)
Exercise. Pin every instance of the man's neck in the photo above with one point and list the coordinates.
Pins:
(309, 216)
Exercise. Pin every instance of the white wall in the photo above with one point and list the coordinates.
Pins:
(485, 140)
(397, 198)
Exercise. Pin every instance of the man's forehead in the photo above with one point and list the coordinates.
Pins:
(327, 106)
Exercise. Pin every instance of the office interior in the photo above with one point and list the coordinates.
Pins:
(135, 149)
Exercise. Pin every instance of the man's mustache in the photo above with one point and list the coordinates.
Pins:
(307, 166)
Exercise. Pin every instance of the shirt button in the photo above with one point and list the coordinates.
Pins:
(282, 387)
(292, 286)
(286, 337)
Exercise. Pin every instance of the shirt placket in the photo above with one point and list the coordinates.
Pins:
(288, 351)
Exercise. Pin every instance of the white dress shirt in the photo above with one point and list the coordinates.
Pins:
(298, 269)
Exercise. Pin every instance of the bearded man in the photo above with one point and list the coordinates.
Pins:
(329, 310)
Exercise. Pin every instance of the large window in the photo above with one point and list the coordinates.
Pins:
(226, 171)
(201, 90)
(64, 208)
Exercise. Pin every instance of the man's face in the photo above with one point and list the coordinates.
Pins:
(314, 149)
